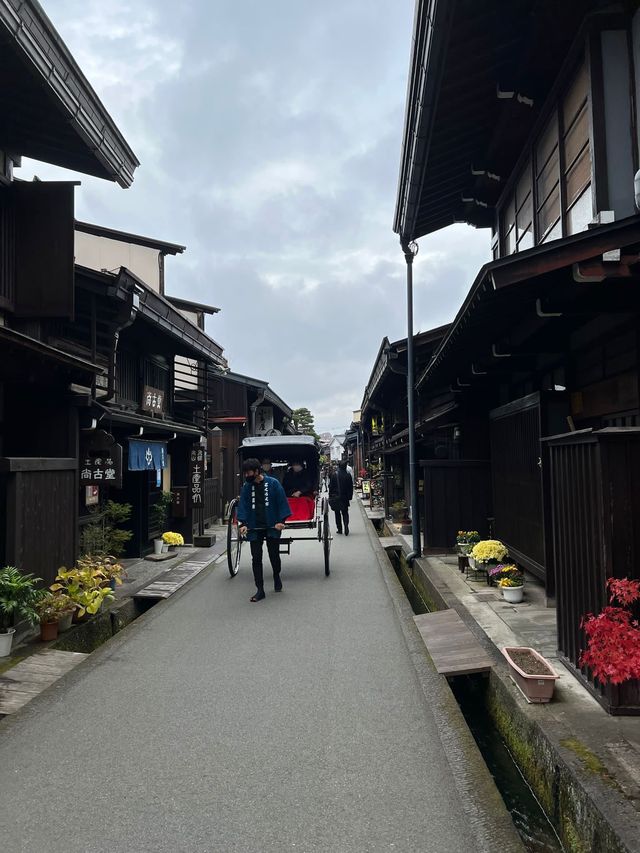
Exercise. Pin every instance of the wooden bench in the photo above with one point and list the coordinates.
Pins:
(451, 645)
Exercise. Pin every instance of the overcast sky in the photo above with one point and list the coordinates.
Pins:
(269, 136)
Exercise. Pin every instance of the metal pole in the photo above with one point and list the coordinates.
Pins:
(410, 251)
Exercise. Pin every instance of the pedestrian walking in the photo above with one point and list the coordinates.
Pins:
(262, 512)
(340, 494)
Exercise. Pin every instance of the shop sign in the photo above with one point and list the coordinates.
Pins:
(153, 400)
(179, 501)
(196, 476)
(264, 420)
(101, 461)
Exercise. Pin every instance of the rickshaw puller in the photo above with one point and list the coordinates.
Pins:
(262, 512)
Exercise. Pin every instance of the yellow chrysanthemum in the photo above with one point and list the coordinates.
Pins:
(489, 549)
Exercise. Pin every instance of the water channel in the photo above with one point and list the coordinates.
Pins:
(535, 830)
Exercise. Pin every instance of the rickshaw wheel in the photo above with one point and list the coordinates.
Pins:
(326, 540)
(234, 540)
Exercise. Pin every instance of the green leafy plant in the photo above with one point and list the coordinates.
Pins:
(103, 534)
(85, 585)
(52, 607)
(160, 509)
(102, 564)
(19, 597)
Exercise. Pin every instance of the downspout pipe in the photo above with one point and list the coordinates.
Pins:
(410, 250)
(129, 315)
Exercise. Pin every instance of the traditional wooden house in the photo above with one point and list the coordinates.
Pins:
(157, 407)
(51, 113)
(383, 418)
(240, 406)
(521, 117)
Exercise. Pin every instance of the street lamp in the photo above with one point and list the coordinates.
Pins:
(410, 250)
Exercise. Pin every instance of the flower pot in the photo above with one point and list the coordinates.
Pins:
(6, 641)
(48, 631)
(165, 548)
(64, 623)
(533, 675)
(173, 549)
(513, 594)
(158, 545)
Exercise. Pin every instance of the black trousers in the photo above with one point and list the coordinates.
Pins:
(273, 549)
(342, 516)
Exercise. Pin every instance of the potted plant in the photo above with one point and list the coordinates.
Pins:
(512, 584)
(103, 534)
(465, 540)
(398, 510)
(49, 616)
(65, 608)
(111, 570)
(19, 596)
(488, 553)
(160, 512)
(532, 673)
(172, 540)
(85, 586)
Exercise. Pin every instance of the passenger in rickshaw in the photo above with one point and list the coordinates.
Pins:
(268, 470)
(297, 482)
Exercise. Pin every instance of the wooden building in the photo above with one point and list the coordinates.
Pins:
(162, 347)
(383, 425)
(240, 406)
(51, 113)
(522, 118)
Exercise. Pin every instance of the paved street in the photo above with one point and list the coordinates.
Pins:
(213, 724)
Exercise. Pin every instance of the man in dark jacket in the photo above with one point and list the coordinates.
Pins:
(262, 512)
(340, 493)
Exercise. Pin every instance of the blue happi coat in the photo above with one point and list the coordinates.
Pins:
(276, 507)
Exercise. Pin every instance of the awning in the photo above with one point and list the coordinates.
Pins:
(154, 425)
(147, 455)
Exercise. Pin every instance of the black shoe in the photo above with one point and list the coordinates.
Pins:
(346, 531)
(258, 596)
(338, 530)
(277, 583)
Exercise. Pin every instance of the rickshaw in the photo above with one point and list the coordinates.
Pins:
(306, 513)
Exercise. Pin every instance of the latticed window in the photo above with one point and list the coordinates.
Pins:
(576, 149)
(557, 177)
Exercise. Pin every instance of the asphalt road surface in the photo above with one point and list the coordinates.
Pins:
(214, 724)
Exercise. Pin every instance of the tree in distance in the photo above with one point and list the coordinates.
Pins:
(303, 422)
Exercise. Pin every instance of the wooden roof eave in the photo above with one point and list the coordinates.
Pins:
(34, 39)
(504, 273)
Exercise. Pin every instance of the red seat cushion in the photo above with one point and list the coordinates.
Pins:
(302, 509)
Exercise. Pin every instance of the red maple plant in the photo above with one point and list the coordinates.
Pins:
(613, 636)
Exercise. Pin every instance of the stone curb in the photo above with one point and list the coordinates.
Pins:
(479, 798)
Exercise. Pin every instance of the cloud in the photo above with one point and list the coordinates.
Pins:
(269, 136)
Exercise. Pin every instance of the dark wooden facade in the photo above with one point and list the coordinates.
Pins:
(595, 509)
(457, 496)
(546, 341)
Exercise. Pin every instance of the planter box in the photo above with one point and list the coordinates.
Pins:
(535, 687)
